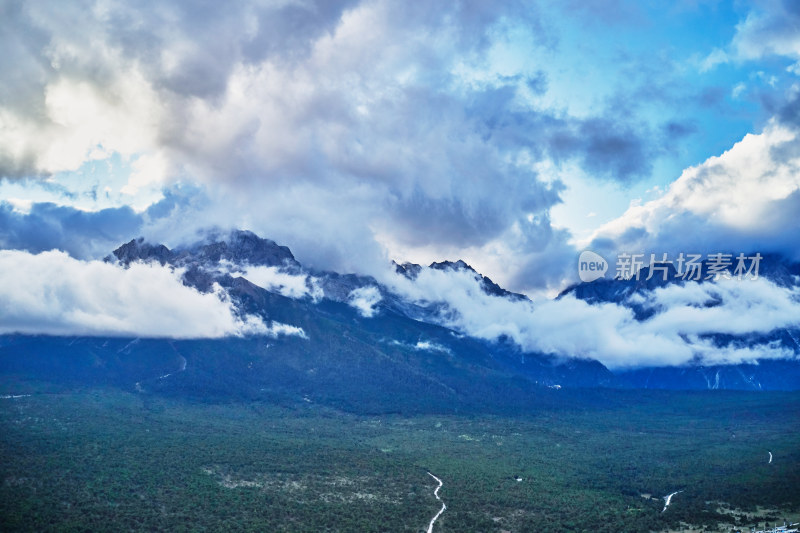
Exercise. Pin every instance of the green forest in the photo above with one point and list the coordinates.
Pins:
(100, 459)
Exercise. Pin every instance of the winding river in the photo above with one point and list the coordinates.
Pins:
(436, 493)
(668, 499)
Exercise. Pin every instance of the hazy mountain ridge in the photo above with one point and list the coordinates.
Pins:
(236, 246)
(246, 247)
(412, 270)
(763, 374)
(386, 362)
(399, 357)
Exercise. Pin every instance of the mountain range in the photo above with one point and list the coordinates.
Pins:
(348, 341)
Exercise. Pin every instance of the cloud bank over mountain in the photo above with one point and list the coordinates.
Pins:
(678, 331)
(725, 321)
(54, 294)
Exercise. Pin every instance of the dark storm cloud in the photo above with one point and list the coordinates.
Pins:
(544, 254)
(608, 148)
(615, 149)
(218, 36)
(24, 72)
(83, 235)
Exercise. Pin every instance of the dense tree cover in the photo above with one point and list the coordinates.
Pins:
(103, 460)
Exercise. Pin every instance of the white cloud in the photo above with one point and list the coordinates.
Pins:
(746, 199)
(425, 346)
(732, 306)
(609, 332)
(365, 300)
(716, 57)
(54, 294)
(82, 121)
(277, 329)
(290, 285)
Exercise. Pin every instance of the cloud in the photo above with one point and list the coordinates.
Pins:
(425, 346)
(269, 110)
(276, 329)
(365, 300)
(677, 333)
(716, 57)
(769, 29)
(51, 293)
(744, 200)
(726, 306)
(82, 234)
(287, 284)
(91, 78)
(266, 112)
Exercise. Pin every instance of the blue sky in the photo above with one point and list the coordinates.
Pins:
(510, 134)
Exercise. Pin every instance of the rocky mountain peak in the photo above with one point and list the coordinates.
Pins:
(243, 247)
(409, 270)
(489, 286)
(452, 265)
(139, 250)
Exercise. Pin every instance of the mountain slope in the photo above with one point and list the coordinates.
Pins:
(385, 353)
(385, 362)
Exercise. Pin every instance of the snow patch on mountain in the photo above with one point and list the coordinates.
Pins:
(431, 347)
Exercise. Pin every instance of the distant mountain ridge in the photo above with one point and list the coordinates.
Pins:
(389, 362)
(764, 375)
(402, 357)
(239, 246)
(760, 375)
(412, 270)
